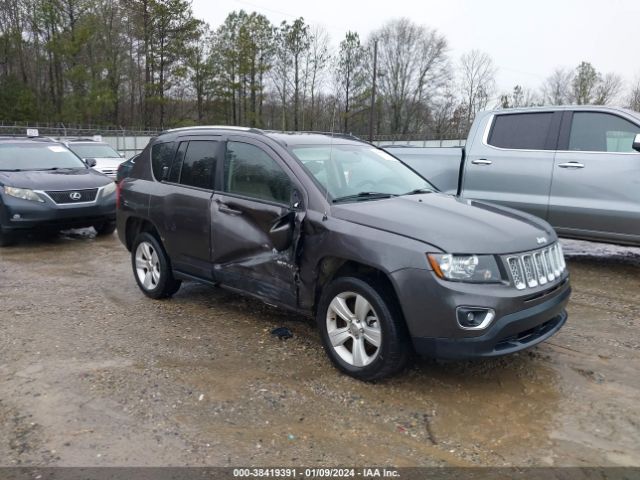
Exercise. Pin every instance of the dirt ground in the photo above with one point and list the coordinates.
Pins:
(94, 373)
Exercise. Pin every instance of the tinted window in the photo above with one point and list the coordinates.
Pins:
(176, 166)
(251, 172)
(526, 131)
(161, 156)
(199, 163)
(601, 132)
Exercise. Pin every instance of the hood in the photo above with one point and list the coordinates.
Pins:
(107, 162)
(452, 224)
(65, 179)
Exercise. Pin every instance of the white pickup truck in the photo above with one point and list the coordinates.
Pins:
(578, 167)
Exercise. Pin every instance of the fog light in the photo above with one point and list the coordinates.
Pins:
(474, 318)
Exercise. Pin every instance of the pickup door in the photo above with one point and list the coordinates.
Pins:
(510, 160)
(595, 192)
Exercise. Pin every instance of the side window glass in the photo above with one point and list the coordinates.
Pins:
(161, 156)
(249, 171)
(176, 166)
(198, 166)
(601, 132)
(526, 131)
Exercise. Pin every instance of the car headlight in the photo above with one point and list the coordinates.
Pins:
(109, 188)
(23, 193)
(465, 268)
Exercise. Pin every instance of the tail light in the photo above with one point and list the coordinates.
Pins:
(118, 193)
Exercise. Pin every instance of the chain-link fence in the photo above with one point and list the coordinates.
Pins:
(126, 140)
(132, 140)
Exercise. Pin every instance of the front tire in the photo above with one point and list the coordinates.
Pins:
(6, 238)
(106, 228)
(362, 328)
(151, 267)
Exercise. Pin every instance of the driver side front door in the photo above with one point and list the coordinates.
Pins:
(254, 223)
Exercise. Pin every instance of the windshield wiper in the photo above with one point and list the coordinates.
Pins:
(418, 191)
(364, 195)
(10, 169)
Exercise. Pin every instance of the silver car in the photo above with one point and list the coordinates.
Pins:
(107, 159)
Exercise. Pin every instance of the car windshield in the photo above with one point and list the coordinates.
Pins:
(40, 156)
(94, 151)
(356, 172)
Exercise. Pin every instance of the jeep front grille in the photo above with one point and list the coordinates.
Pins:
(539, 267)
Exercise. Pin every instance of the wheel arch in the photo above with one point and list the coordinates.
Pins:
(137, 225)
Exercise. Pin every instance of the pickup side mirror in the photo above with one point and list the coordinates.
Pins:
(121, 155)
(91, 162)
(636, 143)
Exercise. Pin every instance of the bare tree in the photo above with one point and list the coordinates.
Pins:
(633, 102)
(413, 63)
(608, 89)
(556, 89)
(477, 82)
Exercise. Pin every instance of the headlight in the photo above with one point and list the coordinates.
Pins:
(109, 189)
(465, 268)
(23, 193)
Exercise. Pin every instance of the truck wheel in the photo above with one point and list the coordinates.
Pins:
(362, 328)
(151, 267)
(106, 228)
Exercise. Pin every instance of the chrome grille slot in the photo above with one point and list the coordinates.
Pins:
(529, 271)
(516, 272)
(536, 268)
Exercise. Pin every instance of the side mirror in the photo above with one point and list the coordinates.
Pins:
(91, 162)
(121, 154)
(281, 232)
(636, 143)
(296, 200)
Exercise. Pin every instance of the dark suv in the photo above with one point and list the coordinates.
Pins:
(43, 185)
(334, 227)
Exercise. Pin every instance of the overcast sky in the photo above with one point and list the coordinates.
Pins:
(526, 40)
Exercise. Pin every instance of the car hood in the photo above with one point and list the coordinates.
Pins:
(107, 162)
(452, 224)
(65, 179)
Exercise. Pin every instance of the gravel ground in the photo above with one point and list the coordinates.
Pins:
(93, 373)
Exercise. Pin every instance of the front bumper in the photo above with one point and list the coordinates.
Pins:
(19, 215)
(522, 318)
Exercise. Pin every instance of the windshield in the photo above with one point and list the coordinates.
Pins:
(31, 156)
(350, 170)
(94, 151)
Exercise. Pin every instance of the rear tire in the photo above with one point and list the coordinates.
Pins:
(152, 268)
(362, 329)
(106, 228)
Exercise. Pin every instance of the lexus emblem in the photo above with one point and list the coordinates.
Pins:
(75, 196)
(541, 240)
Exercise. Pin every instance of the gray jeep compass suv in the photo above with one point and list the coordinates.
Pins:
(334, 227)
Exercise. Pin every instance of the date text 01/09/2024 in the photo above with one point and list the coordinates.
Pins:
(315, 473)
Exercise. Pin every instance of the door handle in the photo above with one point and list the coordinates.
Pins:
(481, 161)
(227, 209)
(571, 165)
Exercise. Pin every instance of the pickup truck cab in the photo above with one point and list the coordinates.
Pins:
(575, 166)
(334, 228)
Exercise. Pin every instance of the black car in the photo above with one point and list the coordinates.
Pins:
(333, 227)
(43, 185)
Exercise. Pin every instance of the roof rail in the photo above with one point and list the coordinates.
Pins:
(209, 127)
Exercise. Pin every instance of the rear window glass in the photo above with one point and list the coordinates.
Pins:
(199, 164)
(161, 156)
(526, 131)
(32, 156)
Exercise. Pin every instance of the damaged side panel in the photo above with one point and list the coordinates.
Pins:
(253, 247)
